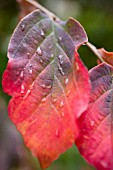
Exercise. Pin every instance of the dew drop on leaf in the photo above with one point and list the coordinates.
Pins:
(54, 100)
(22, 89)
(60, 38)
(61, 61)
(30, 65)
(44, 94)
(61, 70)
(68, 92)
(28, 54)
(43, 100)
(51, 46)
(22, 75)
(49, 87)
(66, 81)
(60, 57)
(30, 71)
(61, 104)
(42, 33)
(41, 61)
(39, 51)
(52, 55)
(43, 86)
(22, 27)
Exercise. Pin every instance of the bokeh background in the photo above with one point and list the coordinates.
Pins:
(97, 19)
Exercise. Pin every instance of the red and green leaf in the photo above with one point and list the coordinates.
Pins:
(48, 83)
(95, 141)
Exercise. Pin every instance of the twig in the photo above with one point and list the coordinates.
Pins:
(38, 6)
(95, 50)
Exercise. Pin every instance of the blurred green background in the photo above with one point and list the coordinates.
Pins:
(97, 19)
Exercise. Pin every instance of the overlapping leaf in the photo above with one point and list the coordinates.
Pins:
(107, 56)
(48, 84)
(95, 141)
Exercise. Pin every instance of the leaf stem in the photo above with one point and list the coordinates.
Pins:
(95, 50)
(38, 6)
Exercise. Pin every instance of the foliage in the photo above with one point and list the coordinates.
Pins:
(55, 102)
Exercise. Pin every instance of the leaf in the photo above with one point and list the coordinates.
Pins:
(107, 56)
(102, 54)
(25, 8)
(95, 141)
(48, 84)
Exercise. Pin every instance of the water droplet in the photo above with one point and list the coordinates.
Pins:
(52, 55)
(28, 54)
(43, 100)
(22, 75)
(49, 87)
(43, 86)
(60, 38)
(30, 65)
(57, 133)
(61, 61)
(22, 89)
(54, 100)
(92, 123)
(41, 61)
(66, 81)
(60, 57)
(44, 94)
(77, 66)
(61, 104)
(68, 92)
(62, 114)
(61, 70)
(39, 52)
(51, 46)
(30, 71)
(42, 33)
(22, 27)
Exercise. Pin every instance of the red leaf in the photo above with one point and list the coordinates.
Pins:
(25, 8)
(107, 56)
(95, 141)
(48, 85)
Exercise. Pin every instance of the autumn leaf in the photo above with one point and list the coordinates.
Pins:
(107, 56)
(25, 8)
(102, 54)
(95, 141)
(48, 83)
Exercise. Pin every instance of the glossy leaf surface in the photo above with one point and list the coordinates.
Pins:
(95, 141)
(48, 83)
